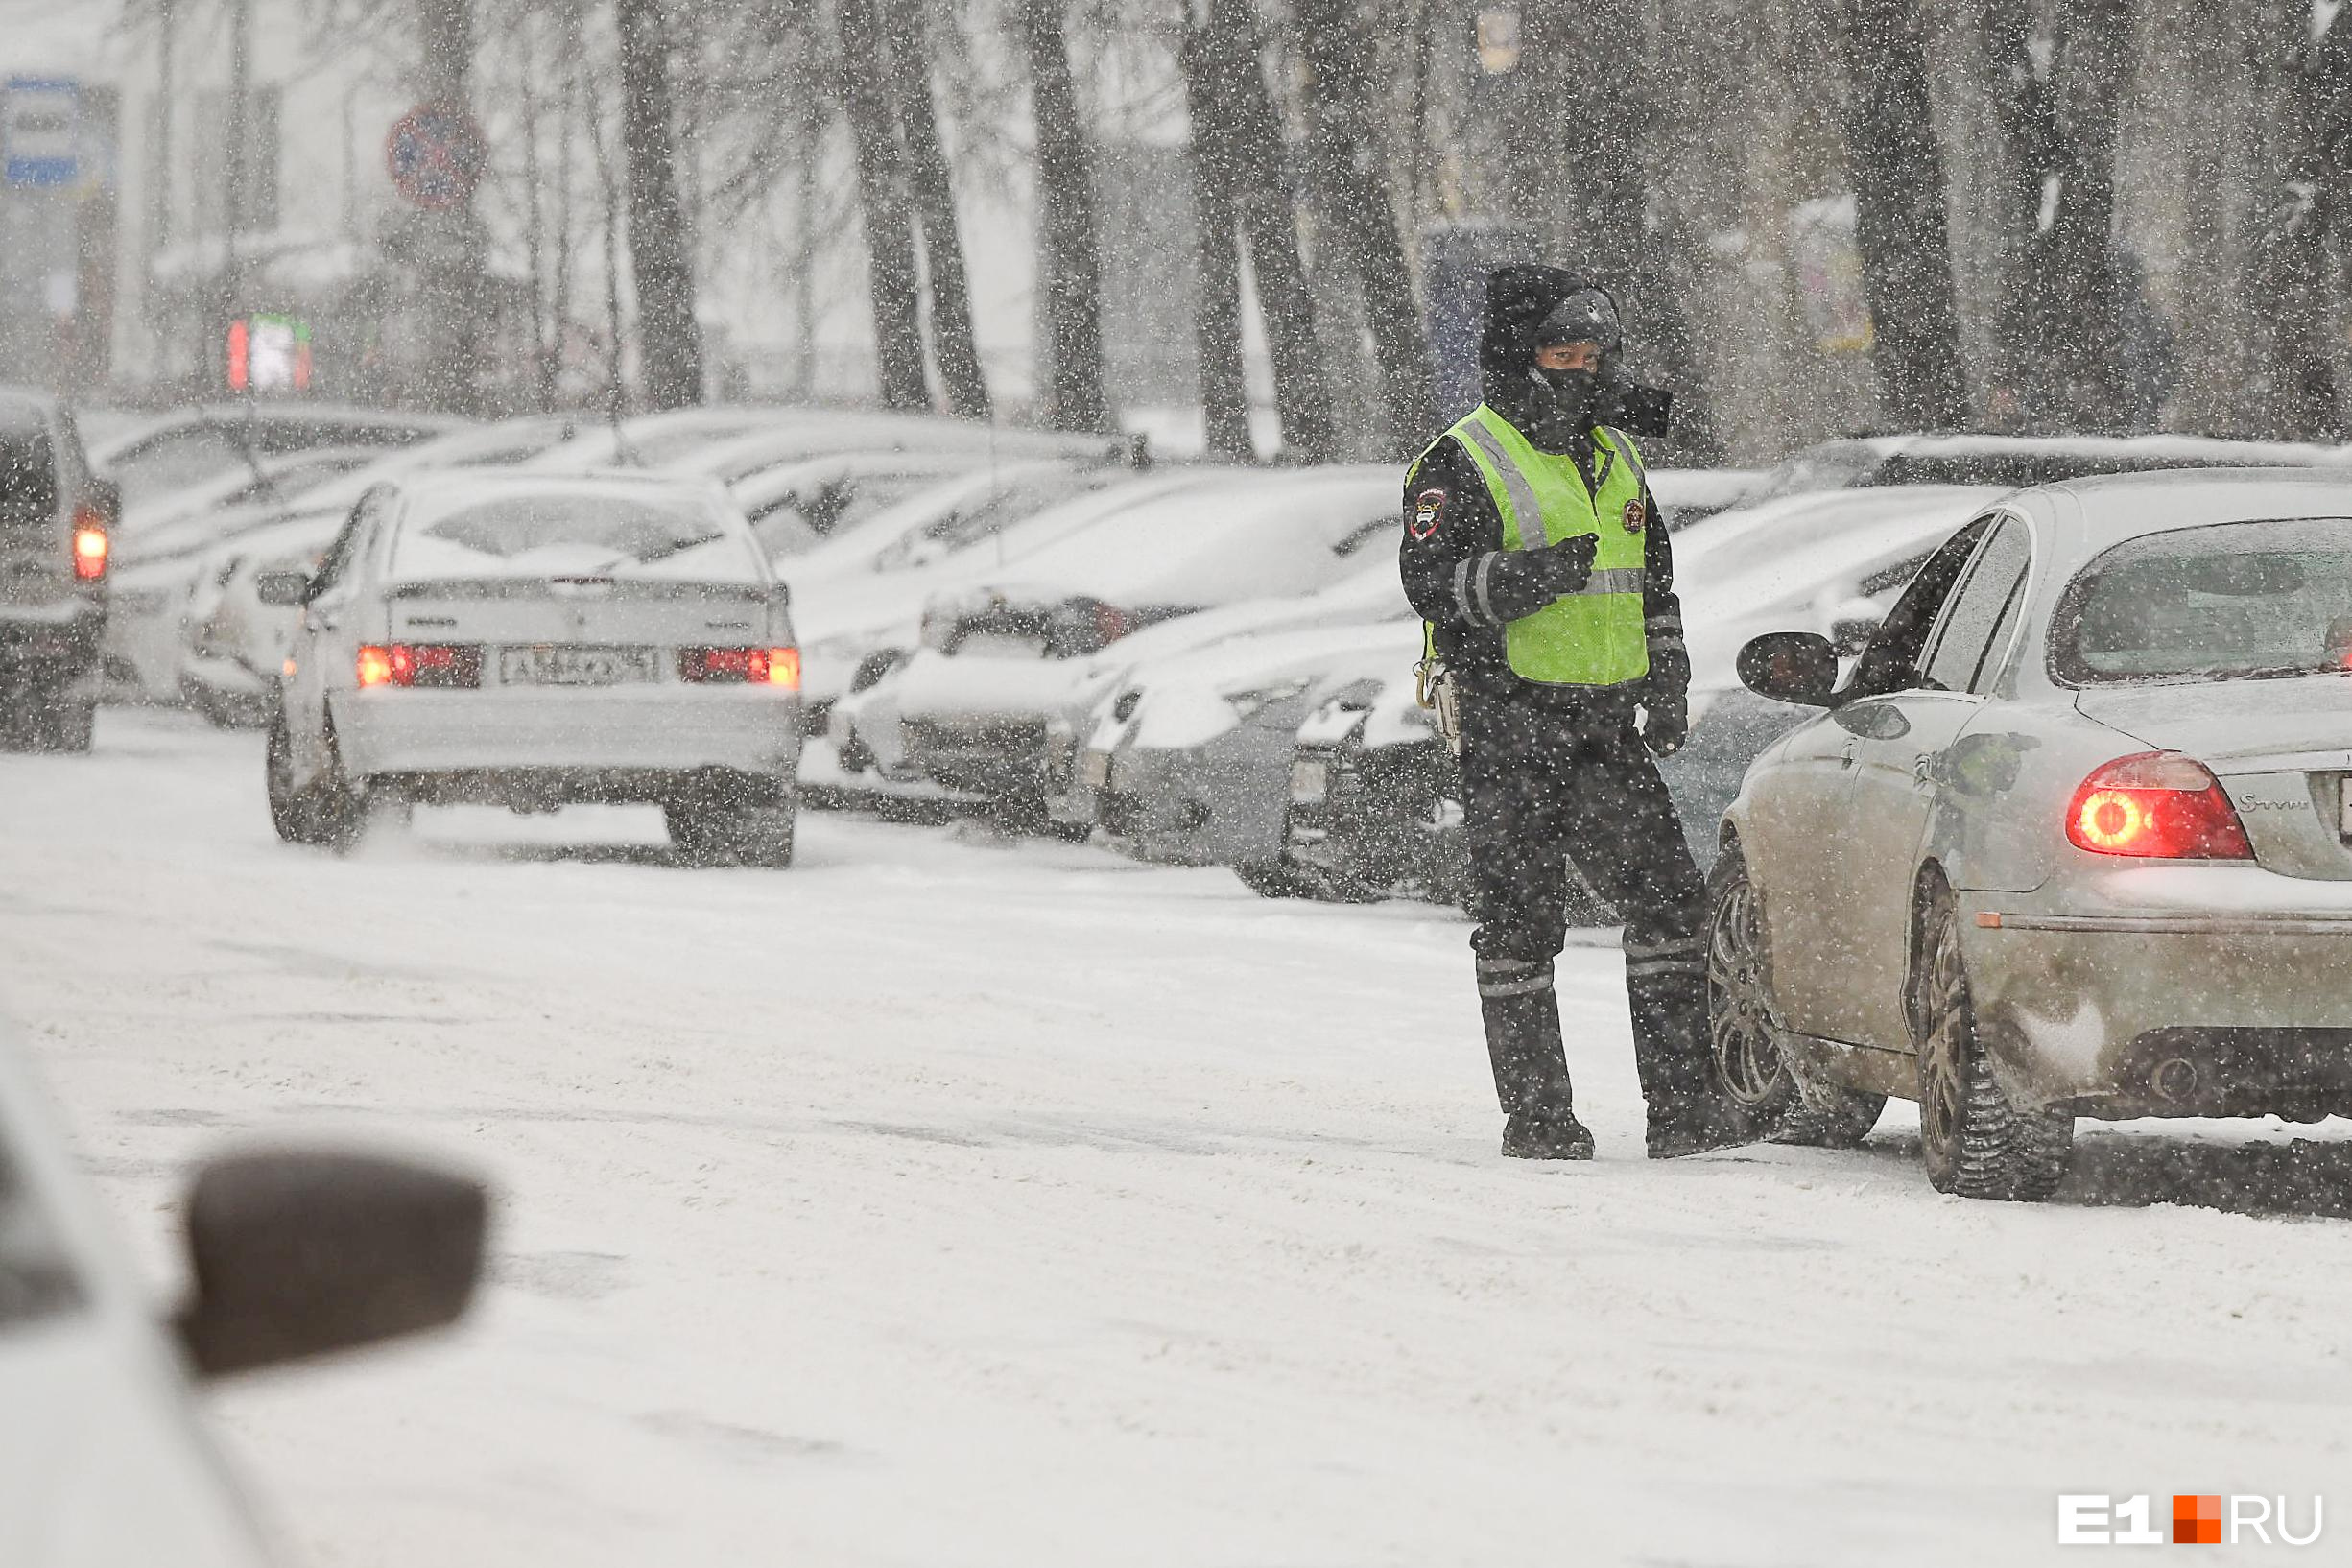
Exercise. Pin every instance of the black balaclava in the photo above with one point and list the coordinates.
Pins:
(1528, 306)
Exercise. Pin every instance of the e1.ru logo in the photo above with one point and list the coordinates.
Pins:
(2199, 1519)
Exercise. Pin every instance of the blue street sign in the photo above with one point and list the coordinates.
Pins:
(41, 131)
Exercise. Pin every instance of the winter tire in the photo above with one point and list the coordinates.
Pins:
(710, 834)
(1744, 1035)
(1974, 1141)
(289, 810)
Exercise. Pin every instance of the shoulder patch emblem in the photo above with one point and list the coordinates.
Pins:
(1428, 512)
(1635, 517)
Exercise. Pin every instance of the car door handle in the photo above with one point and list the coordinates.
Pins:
(1923, 769)
(1845, 758)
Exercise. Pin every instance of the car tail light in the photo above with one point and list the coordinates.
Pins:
(741, 666)
(2158, 806)
(1111, 623)
(433, 666)
(91, 546)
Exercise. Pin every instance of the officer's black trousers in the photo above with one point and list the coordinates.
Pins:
(1553, 777)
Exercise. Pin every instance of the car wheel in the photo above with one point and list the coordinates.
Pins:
(1762, 1079)
(1974, 1140)
(704, 833)
(338, 809)
(289, 810)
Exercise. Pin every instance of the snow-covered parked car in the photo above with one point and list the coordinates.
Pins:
(156, 455)
(161, 566)
(2073, 838)
(532, 641)
(1375, 801)
(293, 1253)
(235, 645)
(1183, 748)
(2009, 461)
(1007, 651)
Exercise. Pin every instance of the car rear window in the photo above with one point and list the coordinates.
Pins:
(2224, 602)
(628, 527)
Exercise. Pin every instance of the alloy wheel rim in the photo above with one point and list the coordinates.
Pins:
(1939, 1056)
(1739, 1015)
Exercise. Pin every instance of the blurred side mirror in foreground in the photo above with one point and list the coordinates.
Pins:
(1790, 667)
(301, 1253)
(285, 586)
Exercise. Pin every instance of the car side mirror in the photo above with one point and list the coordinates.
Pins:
(1790, 667)
(301, 1253)
(285, 586)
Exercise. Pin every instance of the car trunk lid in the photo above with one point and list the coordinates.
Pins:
(585, 611)
(2281, 748)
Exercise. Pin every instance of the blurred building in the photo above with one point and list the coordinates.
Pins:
(56, 230)
(257, 208)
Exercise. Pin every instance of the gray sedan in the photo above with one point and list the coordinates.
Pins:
(2073, 838)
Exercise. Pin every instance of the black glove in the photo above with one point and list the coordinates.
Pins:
(1563, 567)
(1666, 722)
(1519, 582)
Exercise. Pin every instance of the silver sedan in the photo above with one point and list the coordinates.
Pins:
(2073, 838)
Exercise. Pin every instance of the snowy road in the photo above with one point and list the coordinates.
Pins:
(944, 1201)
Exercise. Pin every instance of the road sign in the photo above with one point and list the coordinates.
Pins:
(436, 153)
(41, 131)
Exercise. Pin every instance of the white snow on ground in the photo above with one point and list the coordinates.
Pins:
(951, 1201)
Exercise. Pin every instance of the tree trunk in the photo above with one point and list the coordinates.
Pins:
(2063, 334)
(1354, 188)
(1069, 267)
(889, 236)
(1905, 242)
(1224, 390)
(2300, 285)
(669, 341)
(952, 345)
(1229, 40)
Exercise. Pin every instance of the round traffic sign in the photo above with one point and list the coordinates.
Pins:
(435, 153)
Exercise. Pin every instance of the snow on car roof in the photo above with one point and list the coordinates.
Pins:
(1259, 535)
(2112, 507)
(630, 523)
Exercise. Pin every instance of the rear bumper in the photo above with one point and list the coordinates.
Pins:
(49, 643)
(1226, 803)
(997, 754)
(654, 729)
(2242, 975)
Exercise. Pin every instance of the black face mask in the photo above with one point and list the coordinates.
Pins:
(1565, 405)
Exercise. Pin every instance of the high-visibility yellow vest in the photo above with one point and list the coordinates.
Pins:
(1595, 636)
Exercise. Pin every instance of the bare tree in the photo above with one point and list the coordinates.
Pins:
(669, 341)
(890, 236)
(1244, 148)
(1898, 174)
(2058, 100)
(2305, 60)
(1069, 265)
(1335, 44)
(1225, 391)
(906, 49)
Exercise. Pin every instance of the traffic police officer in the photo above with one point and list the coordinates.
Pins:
(1534, 550)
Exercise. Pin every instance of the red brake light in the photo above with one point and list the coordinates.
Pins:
(432, 665)
(2158, 806)
(741, 666)
(91, 546)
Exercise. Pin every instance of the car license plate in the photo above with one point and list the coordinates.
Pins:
(1098, 769)
(548, 665)
(1310, 780)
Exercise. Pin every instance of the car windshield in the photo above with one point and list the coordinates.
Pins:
(2226, 602)
(631, 527)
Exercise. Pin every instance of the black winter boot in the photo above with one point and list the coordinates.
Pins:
(1689, 1111)
(1531, 1069)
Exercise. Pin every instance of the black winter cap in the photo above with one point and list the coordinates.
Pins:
(1519, 296)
